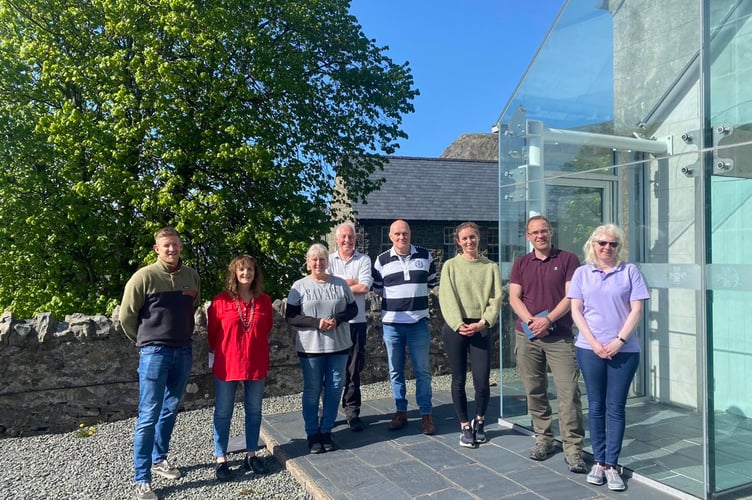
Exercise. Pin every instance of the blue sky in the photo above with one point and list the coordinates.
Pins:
(466, 57)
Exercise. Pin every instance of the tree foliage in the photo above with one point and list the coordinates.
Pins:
(227, 119)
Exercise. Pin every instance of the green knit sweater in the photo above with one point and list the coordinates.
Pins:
(469, 289)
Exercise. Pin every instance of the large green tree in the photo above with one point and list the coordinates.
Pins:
(227, 119)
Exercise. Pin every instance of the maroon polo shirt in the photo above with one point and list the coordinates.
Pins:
(542, 283)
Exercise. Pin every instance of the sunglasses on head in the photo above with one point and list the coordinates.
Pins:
(612, 244)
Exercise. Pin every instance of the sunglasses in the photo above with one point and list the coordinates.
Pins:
(612, 244)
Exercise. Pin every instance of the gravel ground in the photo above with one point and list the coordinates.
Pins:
(100, 466)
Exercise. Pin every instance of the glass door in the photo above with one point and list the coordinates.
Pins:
(575, 205)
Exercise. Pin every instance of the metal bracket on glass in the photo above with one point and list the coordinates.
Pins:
(691, 138)
(518, 176)
(722, 163)
(691, 170)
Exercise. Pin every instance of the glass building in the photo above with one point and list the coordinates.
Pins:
(639, 112)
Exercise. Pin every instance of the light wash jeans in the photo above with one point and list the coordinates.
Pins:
(327, 372)
(416, 337)
(607, 382)
(224, 404)
(162, 376)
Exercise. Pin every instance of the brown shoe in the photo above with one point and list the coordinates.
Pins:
(399, 421)
(428, 427)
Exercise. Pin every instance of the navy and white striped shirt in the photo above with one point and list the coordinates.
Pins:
(403, 283)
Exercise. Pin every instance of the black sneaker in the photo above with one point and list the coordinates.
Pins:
(478, 431)
(326, 441)
(254, 464)
(223, 472)
(314, 444)
(356, 424)
(466, 437)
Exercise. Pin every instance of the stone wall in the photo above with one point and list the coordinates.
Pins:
(83, 370)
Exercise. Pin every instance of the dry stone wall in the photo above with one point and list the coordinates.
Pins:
(58, 374)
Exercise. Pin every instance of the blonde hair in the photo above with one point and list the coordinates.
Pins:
(316, 250)
(606, 230)
(166, 232)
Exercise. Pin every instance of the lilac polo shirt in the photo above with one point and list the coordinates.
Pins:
(606, 298)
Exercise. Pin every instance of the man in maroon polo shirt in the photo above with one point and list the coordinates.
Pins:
(538, 287)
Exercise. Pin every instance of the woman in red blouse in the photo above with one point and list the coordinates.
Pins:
(240, 319)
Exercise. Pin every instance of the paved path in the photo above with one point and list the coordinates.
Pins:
(394, 465)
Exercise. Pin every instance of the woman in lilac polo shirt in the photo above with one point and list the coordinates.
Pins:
(607, 295)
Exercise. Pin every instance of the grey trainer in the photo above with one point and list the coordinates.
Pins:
(164, 469)
(614, 480)
(597, 475)
(144, 492)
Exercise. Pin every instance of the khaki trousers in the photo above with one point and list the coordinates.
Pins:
(532, 358)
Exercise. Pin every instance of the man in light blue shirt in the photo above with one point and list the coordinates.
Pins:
(355, 268)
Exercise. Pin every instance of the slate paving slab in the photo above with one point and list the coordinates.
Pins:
(395, 465)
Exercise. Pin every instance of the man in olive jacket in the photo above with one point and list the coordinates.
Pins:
(157, 313)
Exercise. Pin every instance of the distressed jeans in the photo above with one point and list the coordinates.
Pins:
(325, 372)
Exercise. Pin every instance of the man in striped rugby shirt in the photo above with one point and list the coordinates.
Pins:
(403, 276)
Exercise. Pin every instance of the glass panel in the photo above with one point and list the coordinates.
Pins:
(729, 274)
(576, 61)
(641, 85)
(730, 282)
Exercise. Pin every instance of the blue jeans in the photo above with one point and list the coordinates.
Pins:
(224, 404)
(417, 338)
(327, 372)
(607, 382)
(162, 376)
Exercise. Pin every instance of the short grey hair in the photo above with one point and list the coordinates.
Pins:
(317, 250)
(345, 224)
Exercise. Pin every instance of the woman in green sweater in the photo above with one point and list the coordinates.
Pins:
(469, 297)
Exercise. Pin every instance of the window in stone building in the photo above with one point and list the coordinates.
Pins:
(361, 243)
(492, 243)
(386, 243)
(450, 250)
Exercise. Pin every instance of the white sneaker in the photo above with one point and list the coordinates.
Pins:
(615, 482)
(164, 469)
(597, 475)
(144, 492)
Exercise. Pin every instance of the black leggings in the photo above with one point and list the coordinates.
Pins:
(457, 347)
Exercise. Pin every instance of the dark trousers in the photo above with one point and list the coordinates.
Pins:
(457, 348)
(356, 361)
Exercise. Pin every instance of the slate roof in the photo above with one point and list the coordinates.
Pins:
(434, 189)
